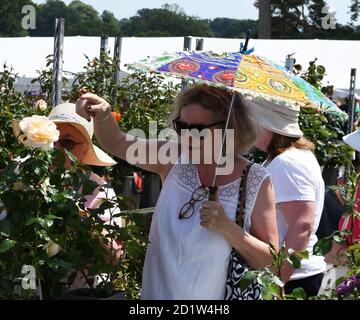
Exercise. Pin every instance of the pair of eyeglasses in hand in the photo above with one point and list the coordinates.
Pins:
(187, 209)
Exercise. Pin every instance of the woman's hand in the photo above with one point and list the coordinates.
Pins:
(90, 106)
(213, 216)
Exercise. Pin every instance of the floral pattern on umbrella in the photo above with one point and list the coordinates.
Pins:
(252, 75)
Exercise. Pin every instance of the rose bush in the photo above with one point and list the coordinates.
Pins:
(44, 224)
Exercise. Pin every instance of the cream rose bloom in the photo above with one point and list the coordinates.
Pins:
(18, 186)
(52, 248)
(40, 132)
(41, 105)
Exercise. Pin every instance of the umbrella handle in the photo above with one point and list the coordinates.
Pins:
(212, 193)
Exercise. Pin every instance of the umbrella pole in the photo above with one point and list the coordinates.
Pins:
(213, 188)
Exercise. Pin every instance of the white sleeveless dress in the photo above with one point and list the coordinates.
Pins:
(185, 261)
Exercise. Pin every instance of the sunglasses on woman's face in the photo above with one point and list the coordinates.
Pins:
(68, 144)
(180, 125)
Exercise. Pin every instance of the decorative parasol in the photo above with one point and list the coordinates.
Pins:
(252, 75)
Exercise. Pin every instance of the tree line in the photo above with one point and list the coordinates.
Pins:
(279, 19)
(305, 19)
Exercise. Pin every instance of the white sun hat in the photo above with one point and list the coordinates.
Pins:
(276, 117)
(66, 113)
(353, 139)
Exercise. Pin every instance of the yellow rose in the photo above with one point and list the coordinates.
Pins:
(52, 248)
(18, 186)
(41, 105)
(40, 132)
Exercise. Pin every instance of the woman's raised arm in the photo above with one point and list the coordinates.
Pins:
(116, 142)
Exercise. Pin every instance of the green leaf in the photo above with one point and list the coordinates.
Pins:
(276, 280)
(340, 240)
(267, 296)
(271, 289)
(31, 221)
(247, 279)
(294, 261)
(323, 246)
(52, 217)
(299, 294)
(321, 70)
(302, 254)
(88, 187)
(354, 247)
(5, 228)
(71, 156)
(11, 167)
(6, 245)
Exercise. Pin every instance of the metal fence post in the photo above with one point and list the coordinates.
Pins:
(199, 44)
(187, 47)
(351, 109)
(58, 61)
(117, 57)
(187, 43)
(104, 44)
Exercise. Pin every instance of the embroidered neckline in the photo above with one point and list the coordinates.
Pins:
(189, 176)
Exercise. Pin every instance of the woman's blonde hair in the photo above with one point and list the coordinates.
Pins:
(218, 100)
(280, 143)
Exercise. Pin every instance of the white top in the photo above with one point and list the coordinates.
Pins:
(183, 259)
(296, 175)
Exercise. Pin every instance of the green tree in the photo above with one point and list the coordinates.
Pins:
(355, 10)
(302, 19)
(46, 14)
(231, 28)
(111, 25)
(83, 20)
(168, 21)
(80, 19)
(11, 17)
(289, 19)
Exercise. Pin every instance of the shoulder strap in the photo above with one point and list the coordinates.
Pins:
(242, 196)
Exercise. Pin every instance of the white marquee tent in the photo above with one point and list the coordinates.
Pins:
(28, 54)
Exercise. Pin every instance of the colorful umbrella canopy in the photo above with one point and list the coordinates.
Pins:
(252, 75)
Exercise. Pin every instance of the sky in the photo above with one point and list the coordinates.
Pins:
(238, 9)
